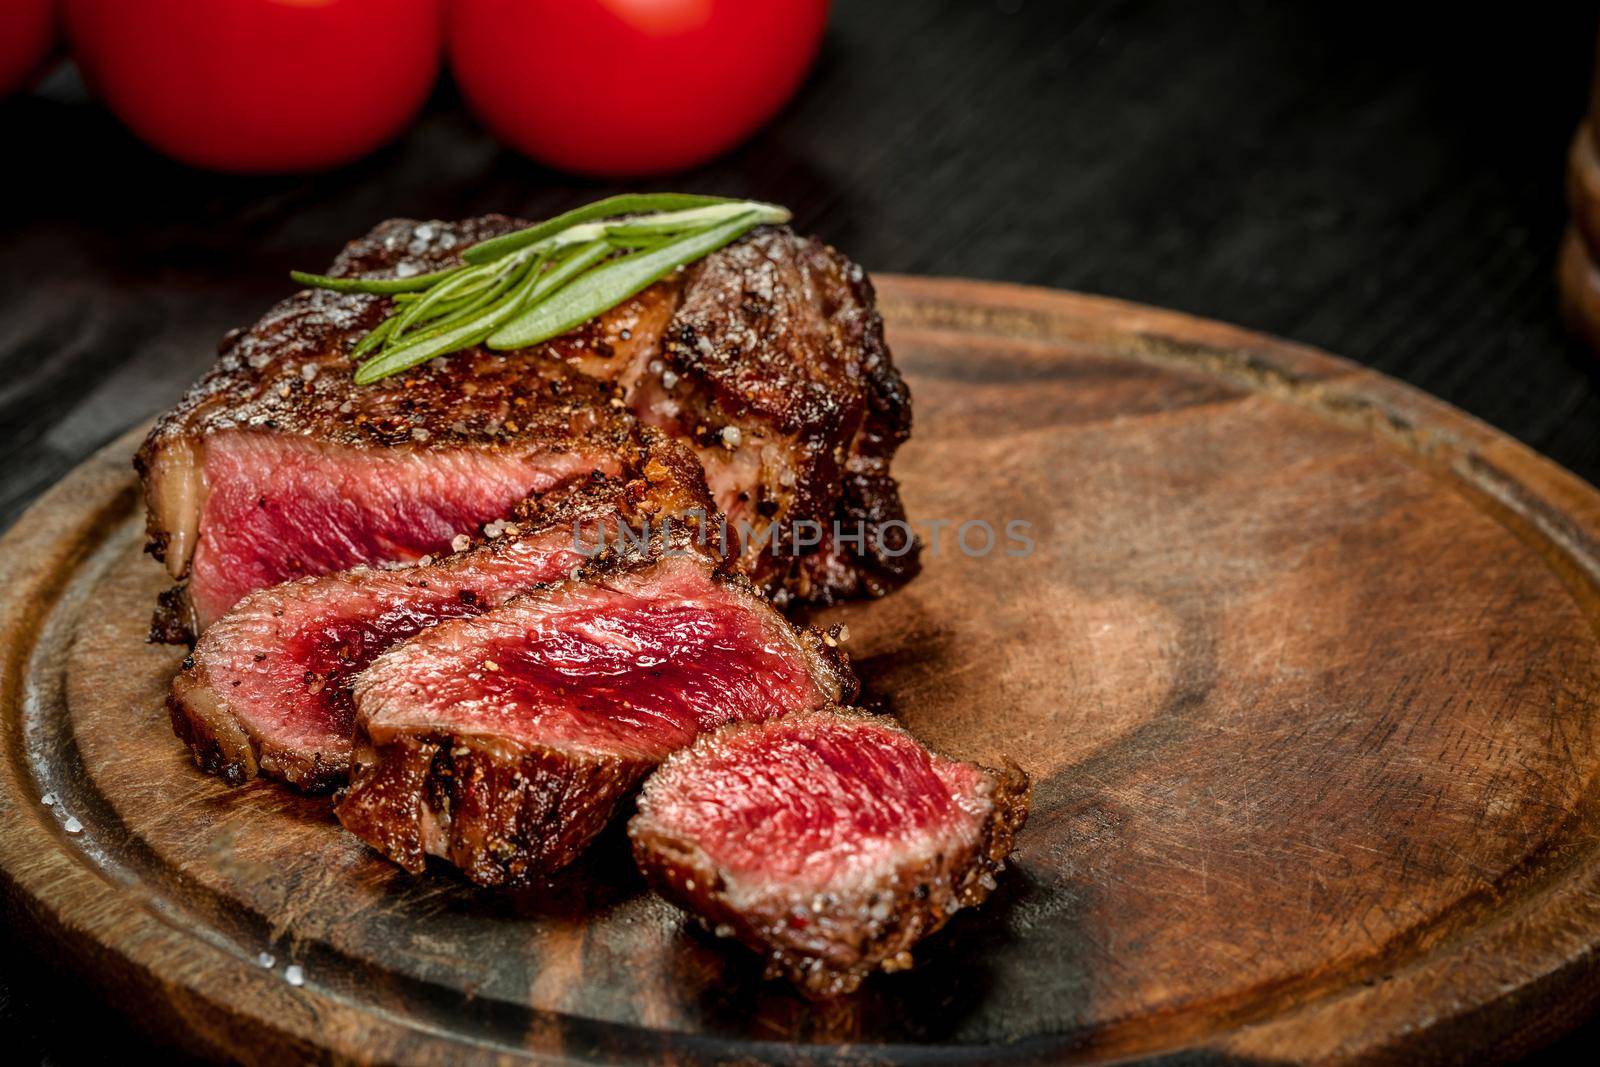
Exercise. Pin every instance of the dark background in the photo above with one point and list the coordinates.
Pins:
(1376, 181)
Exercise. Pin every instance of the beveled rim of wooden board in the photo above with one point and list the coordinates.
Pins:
(1544, 951)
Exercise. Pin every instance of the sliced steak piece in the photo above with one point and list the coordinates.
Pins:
(504, 743)
(268, 687)
(768, 356)
(829, 842)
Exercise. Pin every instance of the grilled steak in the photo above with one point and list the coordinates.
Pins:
(829, 842)
(505, 742)
(268, 686)
(767, 356)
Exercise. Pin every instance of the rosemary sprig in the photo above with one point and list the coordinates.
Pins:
(607, 286)
(537, 283)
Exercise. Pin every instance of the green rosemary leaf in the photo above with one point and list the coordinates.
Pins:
(641, 241)
(484, 312)
(611, 207)
(376, 286)
(607, 286)
(564, 271)
(372, 340)
(411, 353)
(458, 310)
(418, 350)
(465, 284)
(487, 309)
(676, 222)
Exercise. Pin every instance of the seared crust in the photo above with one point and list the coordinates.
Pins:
(505, 812)
(849, 934)
(785, 335)
(214, 739)
(502, 817)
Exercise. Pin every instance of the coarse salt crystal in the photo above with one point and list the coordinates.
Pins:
(72, 825)
(405, 270)
(309, 371)
(731, 437)
(460, 543)
(669, 379)
(266, 960)
(294, 975)
(48, 800)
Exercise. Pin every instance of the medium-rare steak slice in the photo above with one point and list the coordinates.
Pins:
(830, 842)
(767, 356)
(504, 743)
(268, 686)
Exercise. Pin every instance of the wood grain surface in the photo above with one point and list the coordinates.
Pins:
(1303, 662)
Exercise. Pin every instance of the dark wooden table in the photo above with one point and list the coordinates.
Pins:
(1381, 184)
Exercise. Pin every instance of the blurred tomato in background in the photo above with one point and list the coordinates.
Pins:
(628, 87)
(260, 86)
(27, 37)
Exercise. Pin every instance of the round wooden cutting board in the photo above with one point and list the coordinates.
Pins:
(1303, 664)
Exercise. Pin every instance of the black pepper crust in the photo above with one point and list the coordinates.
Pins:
(870, 927)
(290, 373)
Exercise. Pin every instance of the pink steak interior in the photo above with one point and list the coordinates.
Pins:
(805, 800)
(637, 667)
(279, 507)
(284, 658)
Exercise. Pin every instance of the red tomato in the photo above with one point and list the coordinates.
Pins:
(618, 87)
(27, 34)
(260, 85)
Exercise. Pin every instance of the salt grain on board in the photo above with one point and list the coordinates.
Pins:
(294, 975)
(72, 825)
(48, 800)
(266, 960)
